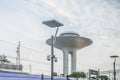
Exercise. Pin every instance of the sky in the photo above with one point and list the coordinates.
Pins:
(99, 20)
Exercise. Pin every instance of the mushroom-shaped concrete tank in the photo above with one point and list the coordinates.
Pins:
(69, 43)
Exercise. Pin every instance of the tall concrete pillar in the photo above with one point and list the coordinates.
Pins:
(65, 62)
(73, 61)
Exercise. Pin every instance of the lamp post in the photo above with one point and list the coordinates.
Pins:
(114, 70)
(52, 23)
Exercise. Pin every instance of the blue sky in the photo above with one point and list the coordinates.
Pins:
(98, 20)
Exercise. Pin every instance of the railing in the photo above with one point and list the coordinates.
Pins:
(25, 76)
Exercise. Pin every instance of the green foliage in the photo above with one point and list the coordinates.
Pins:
(103, 77)
(78, 75)
(3, 59)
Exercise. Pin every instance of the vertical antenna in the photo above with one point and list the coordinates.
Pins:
(18, 54)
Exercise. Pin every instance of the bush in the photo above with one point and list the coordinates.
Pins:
(78, 75)
(103, 77)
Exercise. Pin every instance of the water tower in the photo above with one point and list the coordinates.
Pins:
(69, 43)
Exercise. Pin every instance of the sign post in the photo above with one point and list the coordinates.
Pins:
(93, 72)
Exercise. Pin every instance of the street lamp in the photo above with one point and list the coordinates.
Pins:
(52, 23)
(114, 71)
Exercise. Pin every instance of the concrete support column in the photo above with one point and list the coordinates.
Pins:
(65, 62)
(73, 61)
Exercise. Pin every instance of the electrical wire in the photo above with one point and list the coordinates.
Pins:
(28, 60)
(24, 47)
(27, 48)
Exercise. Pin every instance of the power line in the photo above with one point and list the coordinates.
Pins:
(24, 47)
(28, 60)
(34, 61)
(28, 49)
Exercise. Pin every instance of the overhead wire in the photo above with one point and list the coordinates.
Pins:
(26, 48)
(35, 61)
(28, 60)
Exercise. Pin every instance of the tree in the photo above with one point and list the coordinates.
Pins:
(103, 77)
(3, 59)
(83, 75)
(78, 75)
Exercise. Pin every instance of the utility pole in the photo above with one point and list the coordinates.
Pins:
(18, 54)
(52, 58)
(114, 70)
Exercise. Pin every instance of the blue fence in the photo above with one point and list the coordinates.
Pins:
(24, 76)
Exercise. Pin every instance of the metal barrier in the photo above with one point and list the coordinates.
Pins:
(25, 76)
